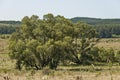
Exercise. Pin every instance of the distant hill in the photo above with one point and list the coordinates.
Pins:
(10, 22)
(95, 21)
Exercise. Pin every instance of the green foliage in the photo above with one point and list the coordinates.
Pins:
(40, 43)
(108, 30)
(105, 27)
(84, 40)
(96, 21)
(10, 22)
(4, 36)
(117, 56)
(8, 27)
(103, 55)
(53, 40)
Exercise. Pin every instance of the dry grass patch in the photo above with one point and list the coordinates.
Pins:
(109, 43)
(3, 45)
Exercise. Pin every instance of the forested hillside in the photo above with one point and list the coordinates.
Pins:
(96, 21)
(107, 28)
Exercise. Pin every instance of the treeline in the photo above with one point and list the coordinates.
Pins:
(107, 28)
(8, 27)
(95, 21)
(11, 22)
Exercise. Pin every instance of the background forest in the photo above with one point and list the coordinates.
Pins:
(107, 28)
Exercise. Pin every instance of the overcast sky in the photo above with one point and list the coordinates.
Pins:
(17, 9)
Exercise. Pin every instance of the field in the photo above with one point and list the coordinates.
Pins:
(92, 72)
(3, 45)
(110, 43)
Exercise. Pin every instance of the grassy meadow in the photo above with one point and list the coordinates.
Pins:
(92, 72)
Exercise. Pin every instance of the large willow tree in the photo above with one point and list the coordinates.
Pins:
(49, 41)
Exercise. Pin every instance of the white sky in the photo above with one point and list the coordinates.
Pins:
(17, 9)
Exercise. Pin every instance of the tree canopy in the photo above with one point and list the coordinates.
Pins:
(50, 41)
